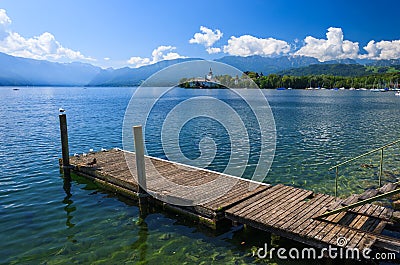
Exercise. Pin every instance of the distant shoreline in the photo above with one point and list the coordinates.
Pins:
(213, 88)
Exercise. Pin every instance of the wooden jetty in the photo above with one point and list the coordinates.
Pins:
(283, 210)
(315, 219)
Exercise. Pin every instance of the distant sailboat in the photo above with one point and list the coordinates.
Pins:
(365, 85)
(310, 87)
(396, 87)
(352, 85)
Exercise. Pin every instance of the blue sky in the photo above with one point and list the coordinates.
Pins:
(131, 33)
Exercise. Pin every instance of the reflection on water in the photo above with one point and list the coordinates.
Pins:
(46, 219)
(69, 208)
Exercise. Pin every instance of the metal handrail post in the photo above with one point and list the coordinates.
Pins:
(336, 181)
(381, 169)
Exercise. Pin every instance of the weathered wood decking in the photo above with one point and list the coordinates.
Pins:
(282, 210)
(112, 169)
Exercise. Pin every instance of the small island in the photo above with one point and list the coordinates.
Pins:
(222, 81)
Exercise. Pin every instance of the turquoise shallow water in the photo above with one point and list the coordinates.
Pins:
(41, 222)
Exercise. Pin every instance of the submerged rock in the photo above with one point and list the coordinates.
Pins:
(396, 216)
(396, 205)
(367, 166)
(165, 236)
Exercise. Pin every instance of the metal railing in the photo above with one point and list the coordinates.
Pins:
(336, 167)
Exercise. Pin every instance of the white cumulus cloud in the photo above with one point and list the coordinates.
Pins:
(4, 19)
(207, 38)
(211, 50)
(165, 53)
(382, 50)
(331, 48)
(42, 47)
(138, 61)
(159, 54)
(247, 45)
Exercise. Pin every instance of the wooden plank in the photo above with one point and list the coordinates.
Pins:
(325, 226)
(352, 220)
(276, 206)
(336, 204)
(339, 230)
(388, 187)
(239, 208)
(228, 195)
(354, 236)
(386, 214)
(117, 170)
(102, 157)
(366, 242)
(355, 240)
(191, 178)
(291, 214)
(357, 223)
(368, 194)
(236, 194)
(298, 218)
(350, 200)
(287, 208)
(303, 219)
(207, 194)
(272, 204)
(245, 207)
(378, 225)
(363, 218)
(349, 236)
(164, 184)
(336, 233)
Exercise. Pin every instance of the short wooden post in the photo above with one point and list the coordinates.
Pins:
(140, 164)
(64, 140)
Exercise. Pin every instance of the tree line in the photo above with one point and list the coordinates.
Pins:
(328, 81)
(273, 81)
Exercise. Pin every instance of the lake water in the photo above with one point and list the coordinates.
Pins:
(41, 222)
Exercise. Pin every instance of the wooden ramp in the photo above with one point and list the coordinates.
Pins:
(286, 211)
(290, 212)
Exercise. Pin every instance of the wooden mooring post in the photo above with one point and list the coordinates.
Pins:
(140, 166)
(64, 139)
(64, 145)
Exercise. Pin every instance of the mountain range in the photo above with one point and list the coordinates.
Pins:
(17, 71)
